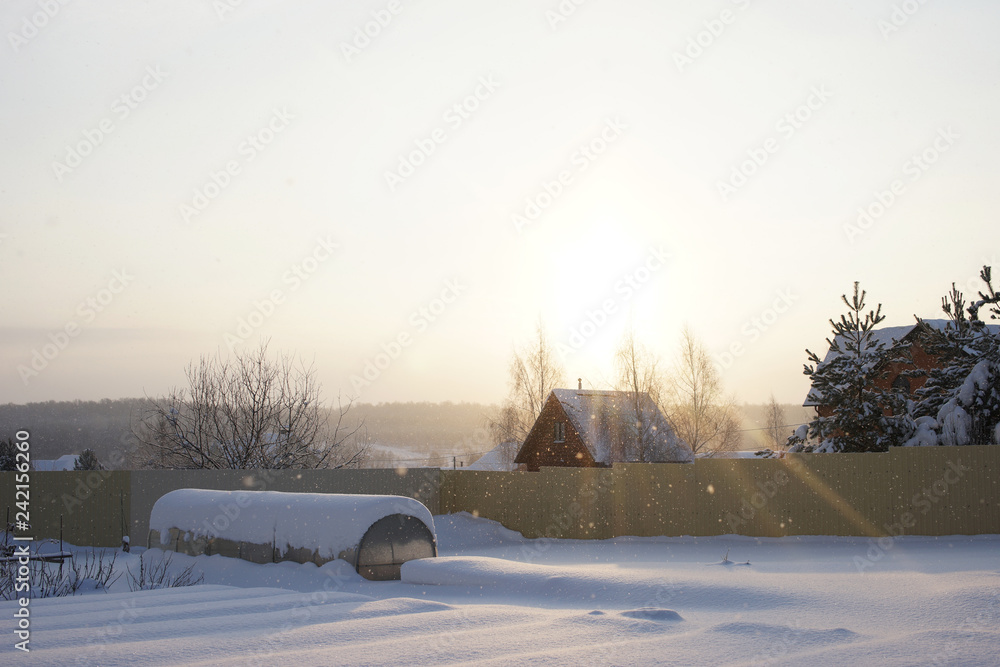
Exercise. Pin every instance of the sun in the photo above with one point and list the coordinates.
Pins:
(586, 295)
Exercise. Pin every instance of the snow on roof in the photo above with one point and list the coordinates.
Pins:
(744, 454)
(599, 417)
(324, 522)
(497, 459)
(888, 337)
(67, 462)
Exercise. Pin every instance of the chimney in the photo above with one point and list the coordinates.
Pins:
(579, 383)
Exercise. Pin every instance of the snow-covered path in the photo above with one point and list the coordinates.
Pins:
(495, 598)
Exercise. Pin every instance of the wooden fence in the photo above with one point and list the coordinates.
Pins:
(907, 491)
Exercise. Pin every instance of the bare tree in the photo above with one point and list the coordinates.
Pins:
(775, 431)
(249, 411)
(534, 372)
(699, 411)
(638, 375)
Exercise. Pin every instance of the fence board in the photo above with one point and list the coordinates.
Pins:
(912, 491)
(94, 505)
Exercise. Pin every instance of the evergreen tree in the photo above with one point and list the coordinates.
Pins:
(88, 461)
(862, 417)
(962, 344)
(8, 454)
(960, 403)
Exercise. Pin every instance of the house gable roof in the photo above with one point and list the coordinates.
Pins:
(601, 419)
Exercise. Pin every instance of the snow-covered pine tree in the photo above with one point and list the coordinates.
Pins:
(88, 461)
(960, 403)
(958, 347)
(859, 416)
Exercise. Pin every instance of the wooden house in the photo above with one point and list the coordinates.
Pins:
(593, 429)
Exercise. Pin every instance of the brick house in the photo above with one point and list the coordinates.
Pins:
(593, 429)
(906, 355)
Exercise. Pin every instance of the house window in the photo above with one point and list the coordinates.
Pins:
(560, 432)
(901, 383)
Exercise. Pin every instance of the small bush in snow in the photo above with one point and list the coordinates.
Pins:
(154, 575)
(94, 573)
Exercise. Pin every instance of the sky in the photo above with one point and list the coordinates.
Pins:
(399, 191)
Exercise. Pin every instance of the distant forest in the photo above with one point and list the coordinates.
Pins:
(436, 429)
(69, 427)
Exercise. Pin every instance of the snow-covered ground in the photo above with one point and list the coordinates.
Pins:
(494, 598)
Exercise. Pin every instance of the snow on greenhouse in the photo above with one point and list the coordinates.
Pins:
(375, 534)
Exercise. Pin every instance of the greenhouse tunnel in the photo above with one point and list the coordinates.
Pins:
(374, 534)
(390, 542)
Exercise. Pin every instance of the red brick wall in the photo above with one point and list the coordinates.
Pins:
(892, 370)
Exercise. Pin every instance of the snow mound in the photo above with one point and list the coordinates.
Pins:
(465, 531)
(653, 614)
(800, 634)
(471, 571)
(587, 585)
(323, 522)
